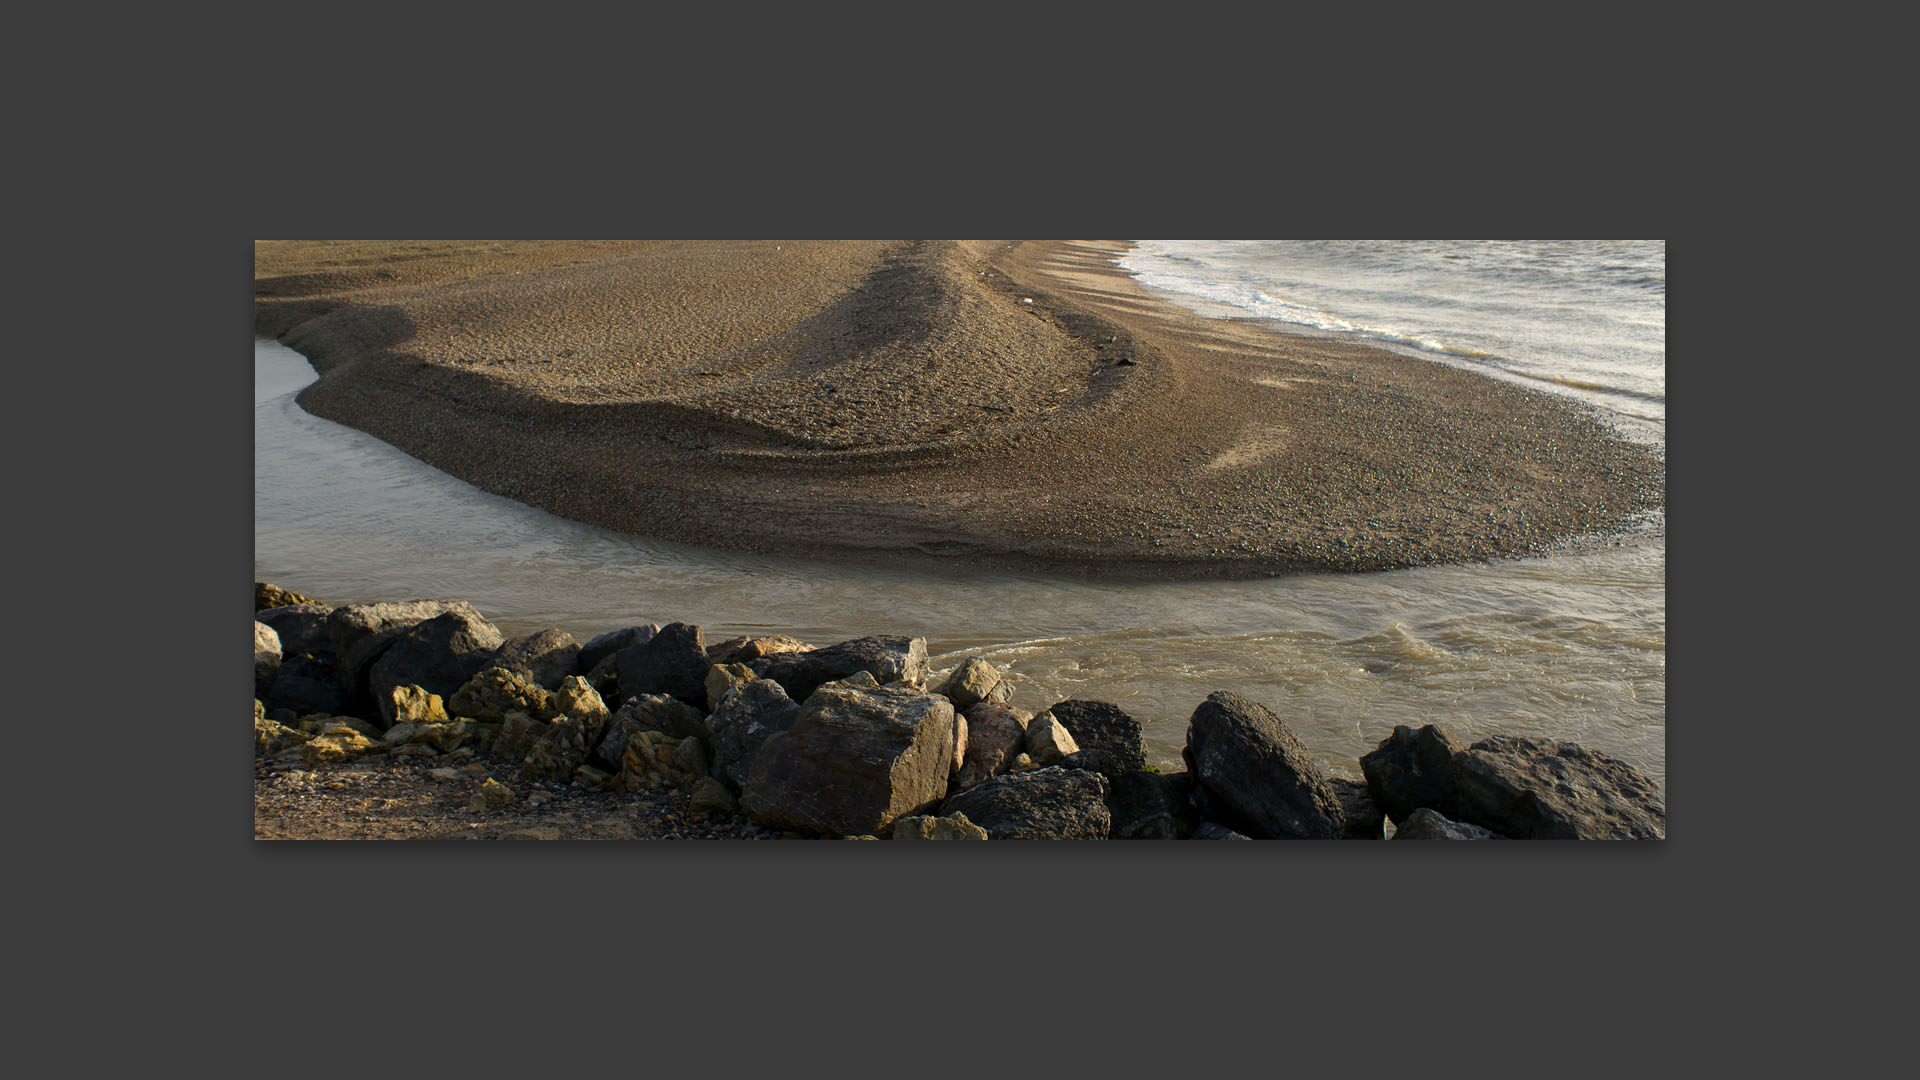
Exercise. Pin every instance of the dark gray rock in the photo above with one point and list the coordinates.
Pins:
(361, 633)
(648, 712)
(1426, 824)
(1409, 770)
(1151, 806)
(1105, 762)
(438, 655)
(887, 657)
(302, 627)
(605, 645)
(1364, 819)
(672, 662)
(546, 657)
(1102, 725)
(1213, 830)
(747, 716)
(1045, 804)
(1542, 789)
(855, 760)
(306, 684)
(1253, 775)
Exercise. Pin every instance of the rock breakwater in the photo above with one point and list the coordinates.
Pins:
(769, 736)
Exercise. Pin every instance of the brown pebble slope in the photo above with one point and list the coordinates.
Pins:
(1019, 404)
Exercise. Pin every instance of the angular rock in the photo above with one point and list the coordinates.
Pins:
(1543, 789)
(413, 705)
(439, 655)
(996, 733)
(658, 712)
(611, 642)
(360, 633)
(722, 678)
(1253, 775)
(1364, 819)
(974, 681)
(1048, 741)
(267, 596)
(1427, 824)
(1102, 725)
(306, 684)
(710, 796)
(560, 748)
(672, 662)
(888, 658)
(266, 652)
(746, 718)
(742, 649)
(1409, 770)
(928, 827)
(544, 658)
(1150, 806)
(492, 795)
(336, 744)
(1043, 804)
(270, 737)
(302, 627)
(493, 693)
(576, 698)
(518, 733)
(854, 761)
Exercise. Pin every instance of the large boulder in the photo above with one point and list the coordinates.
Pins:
(996, 734)
(1253, 775)
(439, 655)
(494, 692)
(974, 681)
(1542, 789)
(1409, 770)
(746, 718)
(1426, 824)
(361, 633)
(611, 642)
(1102, 725)
(306, 684)
(266, 651)
(671, 662)
(648, 712)
(302, 627)
(1044, 804)
(887, 657)
(545, 657)
(855, 760)
(1149, 805)
(559, 748)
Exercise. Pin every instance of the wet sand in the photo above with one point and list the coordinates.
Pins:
(1010, 404)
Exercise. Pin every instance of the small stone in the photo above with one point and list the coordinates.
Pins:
(538, 832)
(493, 795)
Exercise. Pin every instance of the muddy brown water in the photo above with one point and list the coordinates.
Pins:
(1570, 646)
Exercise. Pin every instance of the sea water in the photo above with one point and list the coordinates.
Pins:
(1569, 646)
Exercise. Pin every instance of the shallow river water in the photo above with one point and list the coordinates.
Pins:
(1571, 646)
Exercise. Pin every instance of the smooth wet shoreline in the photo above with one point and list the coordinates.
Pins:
(1217, 449)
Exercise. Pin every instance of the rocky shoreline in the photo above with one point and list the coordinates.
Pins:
(420, 719)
